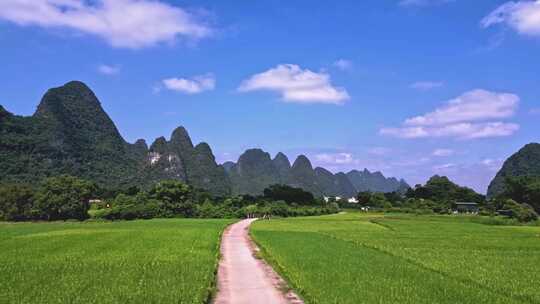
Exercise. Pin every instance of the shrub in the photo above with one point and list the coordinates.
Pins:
(279, 208)
(131, 212)
(522, 212)
(16, 203)
(130, 207)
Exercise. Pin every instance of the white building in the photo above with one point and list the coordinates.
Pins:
(329, 198)
(353, 200)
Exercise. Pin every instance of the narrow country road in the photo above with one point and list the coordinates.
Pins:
(244, 279)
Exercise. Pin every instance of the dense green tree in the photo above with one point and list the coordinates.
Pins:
(378, 200)
(175, 198)
(523, 189)
(395, 198)
(289, 195)
(364, 198)
(138, 206)
(279, 208)
(441, 190)
(521, 212)
(64, 197)
(16, 202)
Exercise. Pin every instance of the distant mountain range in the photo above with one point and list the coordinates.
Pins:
(71, 133)
(256, 170)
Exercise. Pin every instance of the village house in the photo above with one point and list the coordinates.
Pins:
(465, 207)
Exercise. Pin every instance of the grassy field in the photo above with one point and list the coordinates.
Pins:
(354, 258)
(153, 261)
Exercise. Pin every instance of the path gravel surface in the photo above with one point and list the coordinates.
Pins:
(242, 278)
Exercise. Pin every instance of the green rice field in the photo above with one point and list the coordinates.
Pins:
(152, 261)
(359, 258)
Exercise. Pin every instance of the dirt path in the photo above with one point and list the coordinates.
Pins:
(244, 279)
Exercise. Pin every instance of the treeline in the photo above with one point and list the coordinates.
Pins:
(520, 200)
(67, 197)
(438, 195)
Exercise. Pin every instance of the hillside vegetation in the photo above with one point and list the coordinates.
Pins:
(70, 133)
(524, 163)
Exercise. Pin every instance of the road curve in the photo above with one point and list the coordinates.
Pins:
(244, 279)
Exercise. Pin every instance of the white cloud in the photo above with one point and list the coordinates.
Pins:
(468, 116)
(460, 130)
(522, 16)
(195, 85)
(343, 64)
(443, 152)
(335, 158)
(426, 85)
(476, 105)
(122, 23)
(108, 69)
(410, 3)
(444, 167)
(492, 164)
(535, 111)
(296, 85)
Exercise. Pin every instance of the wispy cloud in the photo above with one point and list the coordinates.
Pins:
(522, 16)
(443, 166)
(122, 23)
(426, 85)
(108, 69)
(194, 85)
(474, 105)
(335, 158)
(296, 85)
(468, 116)
(343, 64)
(443, 152)
(461, 130)
(477, 174)
(492, 164)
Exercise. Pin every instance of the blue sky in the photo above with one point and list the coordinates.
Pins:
(411, 88)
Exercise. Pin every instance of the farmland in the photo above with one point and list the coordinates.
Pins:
(154, 261)
(354, 258)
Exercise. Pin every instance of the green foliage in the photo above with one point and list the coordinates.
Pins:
(16, 202)
(210, 210)
(70, 133)
(64, 197)
(375, 200)
(175, 198)
(441, 190)
(522, 212)
(526, 162)
(126, 207)
(289, 195)
(523, 189)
